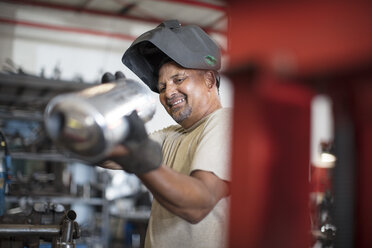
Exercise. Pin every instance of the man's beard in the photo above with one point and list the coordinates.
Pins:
(181, 115)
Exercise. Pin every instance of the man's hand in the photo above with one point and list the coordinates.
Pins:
(138, 154)
(107, 77)
(117, 151)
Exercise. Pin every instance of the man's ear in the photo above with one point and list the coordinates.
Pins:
(210, 79)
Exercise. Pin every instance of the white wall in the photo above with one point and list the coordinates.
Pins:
(78, 45)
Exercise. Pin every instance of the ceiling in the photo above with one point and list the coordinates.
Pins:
(209, 14)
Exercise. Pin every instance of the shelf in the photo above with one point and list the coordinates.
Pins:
(25, 96)
(53, 156)
(57, 199)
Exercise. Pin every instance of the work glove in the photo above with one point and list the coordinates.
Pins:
(108, 77)
(144, 154)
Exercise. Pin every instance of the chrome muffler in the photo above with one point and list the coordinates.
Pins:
(89, 123)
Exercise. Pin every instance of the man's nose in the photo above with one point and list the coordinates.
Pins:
(170, 90)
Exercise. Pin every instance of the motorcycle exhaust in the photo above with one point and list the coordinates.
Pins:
(89, 123)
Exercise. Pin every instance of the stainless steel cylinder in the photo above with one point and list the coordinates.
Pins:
(89, 123)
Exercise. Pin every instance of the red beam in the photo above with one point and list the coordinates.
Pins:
(66, 7)
(67, 29)
(270, 158)
(198, 4)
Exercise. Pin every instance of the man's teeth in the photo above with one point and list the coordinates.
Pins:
(179, 101)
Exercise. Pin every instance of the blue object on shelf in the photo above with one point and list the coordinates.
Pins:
(5, 165)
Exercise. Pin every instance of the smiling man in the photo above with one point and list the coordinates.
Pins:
(176, 84)
(185, 166)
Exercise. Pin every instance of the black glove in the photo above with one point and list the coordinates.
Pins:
(144, 154)
(107, 77)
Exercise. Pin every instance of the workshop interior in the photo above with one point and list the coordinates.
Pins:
(297, 74)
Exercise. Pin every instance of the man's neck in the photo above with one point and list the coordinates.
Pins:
(186, 124)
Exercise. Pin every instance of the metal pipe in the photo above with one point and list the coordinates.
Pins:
(68, 227)
(7, 230)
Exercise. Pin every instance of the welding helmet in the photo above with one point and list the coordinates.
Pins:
(189, 46)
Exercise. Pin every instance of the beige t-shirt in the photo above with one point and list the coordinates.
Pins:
(205, 146)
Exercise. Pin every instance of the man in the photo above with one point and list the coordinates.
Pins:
(189, 177)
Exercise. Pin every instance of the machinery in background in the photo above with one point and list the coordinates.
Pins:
(105, 218)
(43, 175)
(27, 227)
(45, 221)
(5, 164)
(322, 200)
(54, 183)
(321, 168)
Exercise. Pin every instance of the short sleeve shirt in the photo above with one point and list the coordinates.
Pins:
(204, 146)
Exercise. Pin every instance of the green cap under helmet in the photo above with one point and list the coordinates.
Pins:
(189, 46)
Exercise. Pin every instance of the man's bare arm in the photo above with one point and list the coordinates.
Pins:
(189, 197)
